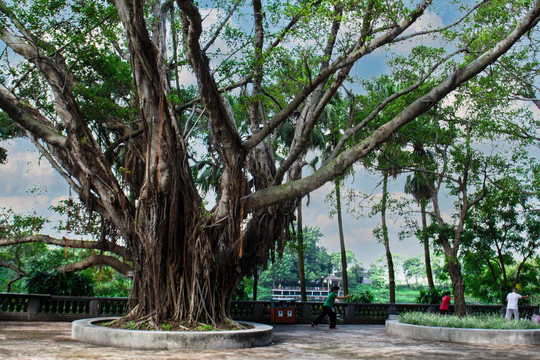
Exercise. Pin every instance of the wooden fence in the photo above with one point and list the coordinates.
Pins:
(34, 307)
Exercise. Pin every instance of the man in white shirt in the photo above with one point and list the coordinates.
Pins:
(512, 307)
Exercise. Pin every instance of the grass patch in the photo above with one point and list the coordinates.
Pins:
(468, 322)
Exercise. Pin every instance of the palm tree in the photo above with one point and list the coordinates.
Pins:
(421, 186)
(333, 116)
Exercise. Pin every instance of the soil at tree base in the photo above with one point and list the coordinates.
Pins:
(171, 326)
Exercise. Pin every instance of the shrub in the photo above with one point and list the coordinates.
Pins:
(469, 322)
(365, 297)
(428, 296)
(55, 283)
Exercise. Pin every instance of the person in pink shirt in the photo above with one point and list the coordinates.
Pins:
(443, 310)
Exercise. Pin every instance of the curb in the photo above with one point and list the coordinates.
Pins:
(85, 331)
(459, 335)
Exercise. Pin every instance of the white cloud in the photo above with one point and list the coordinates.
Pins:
(29, 185)
(428, 21)
(22, 204)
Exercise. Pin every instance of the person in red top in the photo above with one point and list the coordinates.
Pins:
(443, 310)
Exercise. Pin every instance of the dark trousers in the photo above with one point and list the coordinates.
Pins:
(331, 314)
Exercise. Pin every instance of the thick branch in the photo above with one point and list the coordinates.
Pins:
(29, 118)
(318, 101)
(7, 265)
(221, 90)
(353, 130)
(64, 242)
(222, 123)
(95, 260)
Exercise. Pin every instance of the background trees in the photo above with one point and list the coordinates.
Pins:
(318, 263)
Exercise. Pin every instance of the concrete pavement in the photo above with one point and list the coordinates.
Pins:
(39, 340)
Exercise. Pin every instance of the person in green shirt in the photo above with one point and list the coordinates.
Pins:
(328, 308)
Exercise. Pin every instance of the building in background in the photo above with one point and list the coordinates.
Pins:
(317, 293)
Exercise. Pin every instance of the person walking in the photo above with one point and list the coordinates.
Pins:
(328, 308)
(443, 310)
(512, 306)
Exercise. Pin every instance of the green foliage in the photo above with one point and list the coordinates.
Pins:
(8, 130)
(205, 327)
(242, 289)
(468, 322)
(336, 261)
(430, 296)
(364, 297)
(78, 220)
(55, 283)
(14, 225)
(500, 241)
(379, 273)
(109, 283)
(356, 274)
(318, 263)
(414, 268)
(22, 256)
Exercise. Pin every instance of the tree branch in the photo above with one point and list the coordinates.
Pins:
(29, 118)
(7, 265)
(95, 260)
(221, 26)
(222, 123)
(70, 243)
(353, 130)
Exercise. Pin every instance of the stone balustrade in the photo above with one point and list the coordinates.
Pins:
(36, 307)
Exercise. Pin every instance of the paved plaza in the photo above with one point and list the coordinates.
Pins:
(40, 340)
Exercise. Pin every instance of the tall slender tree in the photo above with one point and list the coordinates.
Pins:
(421, 186)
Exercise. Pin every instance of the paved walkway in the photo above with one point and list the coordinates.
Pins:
(39, 340)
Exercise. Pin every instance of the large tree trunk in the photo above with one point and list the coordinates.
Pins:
(458, 285)
(178, 272)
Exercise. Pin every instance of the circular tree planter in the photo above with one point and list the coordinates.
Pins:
(87, 330)
(471, 336)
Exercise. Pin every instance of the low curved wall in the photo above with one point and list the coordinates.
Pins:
(471, 336)
(85, 331)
